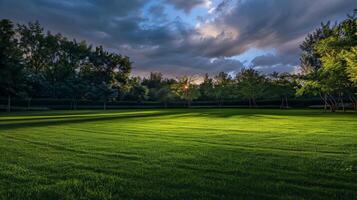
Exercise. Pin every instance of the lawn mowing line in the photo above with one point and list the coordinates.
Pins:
(50, 117)
(74, 169)
(272, 172)
(74, 120)
(304, 178)
(37, 119)
(126, 132)
(165, 137)
(185, 138)
(61, 148)
(216, 189)
(233, 190)
(131, 132)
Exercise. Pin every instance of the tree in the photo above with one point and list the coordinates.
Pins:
(11, 64)
(60, 68)
(310, 59)
(282, 86)
(154, 83)
(164, 95)
(251, 85)
(351, 60)
(32, 46)
(333, 80)
(74, 56)
(105, 73)
(137, 91)
(207, 88)
(222, 87)
(186, 89)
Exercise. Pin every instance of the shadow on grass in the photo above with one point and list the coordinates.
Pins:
(80, 118)
(66, 117)
(271, 113)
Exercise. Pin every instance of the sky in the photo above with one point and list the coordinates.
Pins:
(187, 37)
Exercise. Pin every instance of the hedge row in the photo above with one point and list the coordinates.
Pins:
(23, 104)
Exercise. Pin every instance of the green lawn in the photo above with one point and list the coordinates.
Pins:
(178, 154)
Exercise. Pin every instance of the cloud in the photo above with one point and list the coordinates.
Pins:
(158, 38)
(188, 5)
(276, 63)
(276, 24)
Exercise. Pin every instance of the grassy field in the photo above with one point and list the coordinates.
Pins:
(178, 154)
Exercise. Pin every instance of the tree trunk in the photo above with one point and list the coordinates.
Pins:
(104, 105)
(282, 102)
(286, 101)
(8, 104)
(333, 103)
(329, 102)
(325, 102)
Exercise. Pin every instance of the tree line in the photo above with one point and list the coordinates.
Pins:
(39, 64)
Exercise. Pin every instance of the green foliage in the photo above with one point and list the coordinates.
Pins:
(310, 59)
(186, 89)
(251, 85)
(56, 67)
(11, 64)
(207, 88)
(159, 87)
(165, 95)
(351, 60)
(223, 86)
(335, 77)
(137, 91)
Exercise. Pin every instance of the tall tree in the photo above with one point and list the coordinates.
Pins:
(310, 59)
(154, 83)
(351, 60)
(333, 80)
(222, 87)
(251, 85)
(186, 89)
(137, 91)
(282, 86)
(165, 95)
(11, 65)
(207, 88)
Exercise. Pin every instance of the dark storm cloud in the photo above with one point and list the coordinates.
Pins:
(92, 20)
(278, 24)
(276, 63)
(186, 5)
(270, 60)
(158, 42)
